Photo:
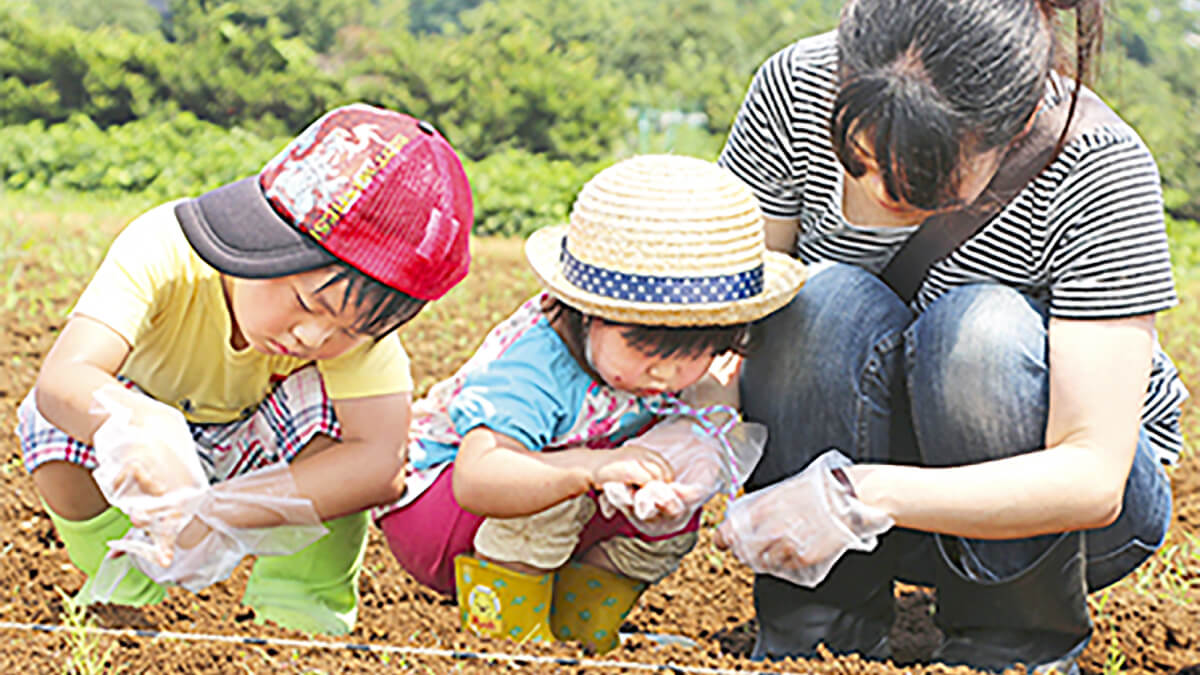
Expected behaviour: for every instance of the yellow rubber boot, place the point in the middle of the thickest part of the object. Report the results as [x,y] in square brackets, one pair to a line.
[590,603]
[87,545]
[494,601]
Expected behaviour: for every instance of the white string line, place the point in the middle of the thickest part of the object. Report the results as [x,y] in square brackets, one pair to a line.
[390,649]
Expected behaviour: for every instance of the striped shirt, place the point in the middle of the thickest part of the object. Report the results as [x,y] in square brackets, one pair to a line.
[1085,237]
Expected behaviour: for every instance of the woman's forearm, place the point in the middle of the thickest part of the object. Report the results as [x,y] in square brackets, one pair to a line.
[1099,371]
[1036,493]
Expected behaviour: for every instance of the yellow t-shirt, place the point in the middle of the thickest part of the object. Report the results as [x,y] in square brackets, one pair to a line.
[155,292]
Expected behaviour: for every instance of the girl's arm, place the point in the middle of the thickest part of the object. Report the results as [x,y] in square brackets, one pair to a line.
[1099,373]
[495,475]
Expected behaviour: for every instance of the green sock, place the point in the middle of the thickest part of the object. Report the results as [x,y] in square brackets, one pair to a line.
[314,590]
[87,545]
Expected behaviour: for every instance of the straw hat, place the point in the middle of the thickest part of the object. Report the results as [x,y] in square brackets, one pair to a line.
[665,240]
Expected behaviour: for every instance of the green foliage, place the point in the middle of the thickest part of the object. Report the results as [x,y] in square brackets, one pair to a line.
[165,155]
[1184,236]
[499,83]
[565,80]
[1148,76]
[694,55]
[433,16]
[135,16]
[516,192]
[49,73]
[86,656]
[245,68]
[234,74]
[314,22]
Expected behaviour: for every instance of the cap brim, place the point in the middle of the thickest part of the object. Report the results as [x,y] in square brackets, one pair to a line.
[782,278]
[234,229]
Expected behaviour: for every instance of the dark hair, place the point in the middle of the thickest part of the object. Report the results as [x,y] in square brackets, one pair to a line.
[381,308]
[926,83]
[658,341]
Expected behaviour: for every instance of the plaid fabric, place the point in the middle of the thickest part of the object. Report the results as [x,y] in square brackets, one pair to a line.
[292,414]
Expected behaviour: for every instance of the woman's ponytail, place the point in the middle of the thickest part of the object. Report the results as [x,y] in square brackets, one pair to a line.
[1089,35]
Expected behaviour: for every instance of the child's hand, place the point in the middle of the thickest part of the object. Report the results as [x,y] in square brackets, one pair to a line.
[147,464]
[631,465]
[258,513]
[702,466]
[144,446]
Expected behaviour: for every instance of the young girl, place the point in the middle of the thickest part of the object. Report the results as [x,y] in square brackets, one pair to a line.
[662,267]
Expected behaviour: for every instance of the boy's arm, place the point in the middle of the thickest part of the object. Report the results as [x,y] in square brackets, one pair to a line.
[82,360]
[85,357]
[80,364]
[366,467]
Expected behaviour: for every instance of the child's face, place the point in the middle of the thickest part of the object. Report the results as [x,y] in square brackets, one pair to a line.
[629,369]
[288,315]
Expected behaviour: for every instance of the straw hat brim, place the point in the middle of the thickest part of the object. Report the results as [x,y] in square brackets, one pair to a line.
[782,278]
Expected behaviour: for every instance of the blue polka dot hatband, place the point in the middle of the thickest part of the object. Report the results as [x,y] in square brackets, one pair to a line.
[665,240]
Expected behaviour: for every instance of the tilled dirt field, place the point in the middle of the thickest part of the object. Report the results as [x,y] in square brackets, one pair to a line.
[1152,618]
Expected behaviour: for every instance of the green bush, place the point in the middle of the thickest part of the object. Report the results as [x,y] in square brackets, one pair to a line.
[499,83]
[165,155]
[517,192]
[174,154]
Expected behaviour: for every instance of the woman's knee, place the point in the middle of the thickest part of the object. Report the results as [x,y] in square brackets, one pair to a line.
[977,375]
[826,360]
[829,329]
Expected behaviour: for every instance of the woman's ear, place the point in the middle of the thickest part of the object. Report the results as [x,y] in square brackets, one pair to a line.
[1037,111]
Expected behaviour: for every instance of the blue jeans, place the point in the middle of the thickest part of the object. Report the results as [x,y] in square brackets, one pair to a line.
[848,365]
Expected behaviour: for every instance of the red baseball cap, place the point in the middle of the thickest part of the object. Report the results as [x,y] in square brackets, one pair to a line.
[369,187]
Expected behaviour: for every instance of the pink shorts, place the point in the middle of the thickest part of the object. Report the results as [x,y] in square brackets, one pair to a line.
[427,534]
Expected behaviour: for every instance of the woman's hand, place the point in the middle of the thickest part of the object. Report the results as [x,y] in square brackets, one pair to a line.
[798,529]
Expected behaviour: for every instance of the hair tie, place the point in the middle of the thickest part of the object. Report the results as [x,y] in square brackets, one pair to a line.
[1064,4]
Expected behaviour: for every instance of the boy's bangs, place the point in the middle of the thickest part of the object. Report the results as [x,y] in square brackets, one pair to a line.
[381,308]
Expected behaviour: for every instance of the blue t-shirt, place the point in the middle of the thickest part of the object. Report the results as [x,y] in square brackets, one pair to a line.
[524,383]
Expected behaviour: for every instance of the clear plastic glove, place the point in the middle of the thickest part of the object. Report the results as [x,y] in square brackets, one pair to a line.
[267,496]
[218,541]
[147,466]
[629,464]
[701,466]
[797,529]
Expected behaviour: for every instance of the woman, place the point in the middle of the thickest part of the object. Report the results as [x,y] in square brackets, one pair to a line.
[1022,389]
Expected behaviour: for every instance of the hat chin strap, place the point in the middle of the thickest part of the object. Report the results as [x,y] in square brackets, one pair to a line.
[587,345]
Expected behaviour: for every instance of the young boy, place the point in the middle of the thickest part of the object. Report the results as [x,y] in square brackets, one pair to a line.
[219,307]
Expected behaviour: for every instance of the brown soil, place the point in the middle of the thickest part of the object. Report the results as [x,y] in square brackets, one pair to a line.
[1153,617]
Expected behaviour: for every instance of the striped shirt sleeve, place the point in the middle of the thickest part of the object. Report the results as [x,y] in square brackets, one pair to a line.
[1112,259]
[758,149]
